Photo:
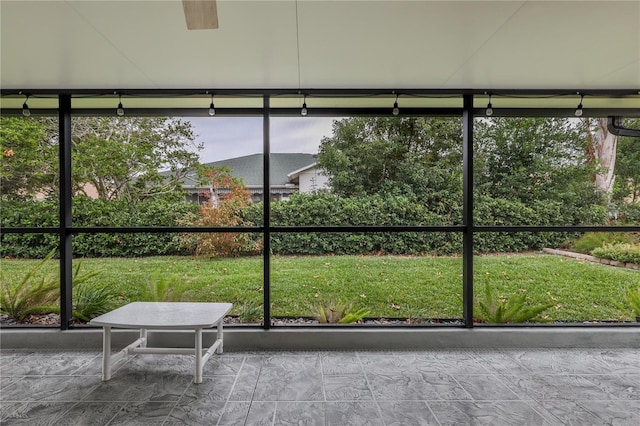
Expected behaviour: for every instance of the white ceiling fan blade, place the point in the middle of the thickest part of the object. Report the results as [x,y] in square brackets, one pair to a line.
[200,14]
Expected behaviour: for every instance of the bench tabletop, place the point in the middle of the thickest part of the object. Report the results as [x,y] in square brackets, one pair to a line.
[164,315]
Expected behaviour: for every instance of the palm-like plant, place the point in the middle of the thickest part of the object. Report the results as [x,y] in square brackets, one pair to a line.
[632,298]
[338,312]
[511,310]
[162,289]
[90,300]
[33,294]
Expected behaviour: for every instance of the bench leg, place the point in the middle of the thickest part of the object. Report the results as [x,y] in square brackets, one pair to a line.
[106,353]
[219,337]
[198,353]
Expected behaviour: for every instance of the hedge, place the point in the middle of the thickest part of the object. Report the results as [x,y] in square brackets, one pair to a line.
[327,210]
[88,212]
[321,209]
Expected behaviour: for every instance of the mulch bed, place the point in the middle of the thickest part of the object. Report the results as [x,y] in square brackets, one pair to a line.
[52,319]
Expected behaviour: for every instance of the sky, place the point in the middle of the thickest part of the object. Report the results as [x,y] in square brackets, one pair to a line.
[229,137]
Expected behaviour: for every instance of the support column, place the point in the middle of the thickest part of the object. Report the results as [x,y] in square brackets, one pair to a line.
[266,204]
[467,210]
[65,248]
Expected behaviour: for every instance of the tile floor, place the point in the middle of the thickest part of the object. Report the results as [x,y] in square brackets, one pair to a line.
[439,387]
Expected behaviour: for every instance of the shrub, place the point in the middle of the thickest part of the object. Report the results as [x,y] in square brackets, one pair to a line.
[628,214]
[227,211]
[90,213]
[250,312]
[592,240]
[338,312]
[159,288]
[396,210]
[620,252]
[510,310]
[90,300]
[32,294]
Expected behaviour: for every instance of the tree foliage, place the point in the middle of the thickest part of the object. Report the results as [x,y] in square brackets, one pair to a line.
[121,157]
[627,168]
[29,157]
[411,155]
[118,158]
[533,159]
[524,160]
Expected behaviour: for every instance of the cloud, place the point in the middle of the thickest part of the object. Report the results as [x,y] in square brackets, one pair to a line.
[229,137]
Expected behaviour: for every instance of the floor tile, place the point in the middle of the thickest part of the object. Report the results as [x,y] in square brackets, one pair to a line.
[142,413]
[247,378]
[340,364]
[32,413]
[6,381]
[622,361]
[564,362]
[225,364]
[196,412]
[484,387]
[160,364]
[49,388]
[290,379]
[346,388]
[212,388]
[140,386]
[235,413]
[500,362]
[618,413]
[403,363]
[261,413]
[402,413]
[358,413]
[532,386]
[91,413]
[516,413]
[300,413]
[569,413]
[45,365]
[461,364]
[618,386]
[575,387]
[427,386]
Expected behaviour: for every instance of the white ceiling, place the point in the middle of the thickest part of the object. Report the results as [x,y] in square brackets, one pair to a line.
[322,44]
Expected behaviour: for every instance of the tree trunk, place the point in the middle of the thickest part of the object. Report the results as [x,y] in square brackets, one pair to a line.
[602,151]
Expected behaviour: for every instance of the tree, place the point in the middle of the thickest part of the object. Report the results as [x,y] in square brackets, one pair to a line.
[601,150]
[627,167]
[29,149]
[532,159]
[414,155]
[120,158]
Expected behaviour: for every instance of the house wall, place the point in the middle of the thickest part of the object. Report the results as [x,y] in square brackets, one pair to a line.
[313,180]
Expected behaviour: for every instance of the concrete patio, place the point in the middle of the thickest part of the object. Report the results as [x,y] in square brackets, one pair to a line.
[516,386]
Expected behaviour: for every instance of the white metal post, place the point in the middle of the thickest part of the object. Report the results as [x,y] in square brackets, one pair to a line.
[219,337]
[143,337]
[106,353]
[198,354]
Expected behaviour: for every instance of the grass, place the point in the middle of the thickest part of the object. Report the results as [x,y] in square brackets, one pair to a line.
[388,286]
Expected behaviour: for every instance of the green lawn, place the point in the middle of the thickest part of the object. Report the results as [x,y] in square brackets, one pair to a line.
[389,286]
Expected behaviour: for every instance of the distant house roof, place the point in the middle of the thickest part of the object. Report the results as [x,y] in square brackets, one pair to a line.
[249,168]
[296,173]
